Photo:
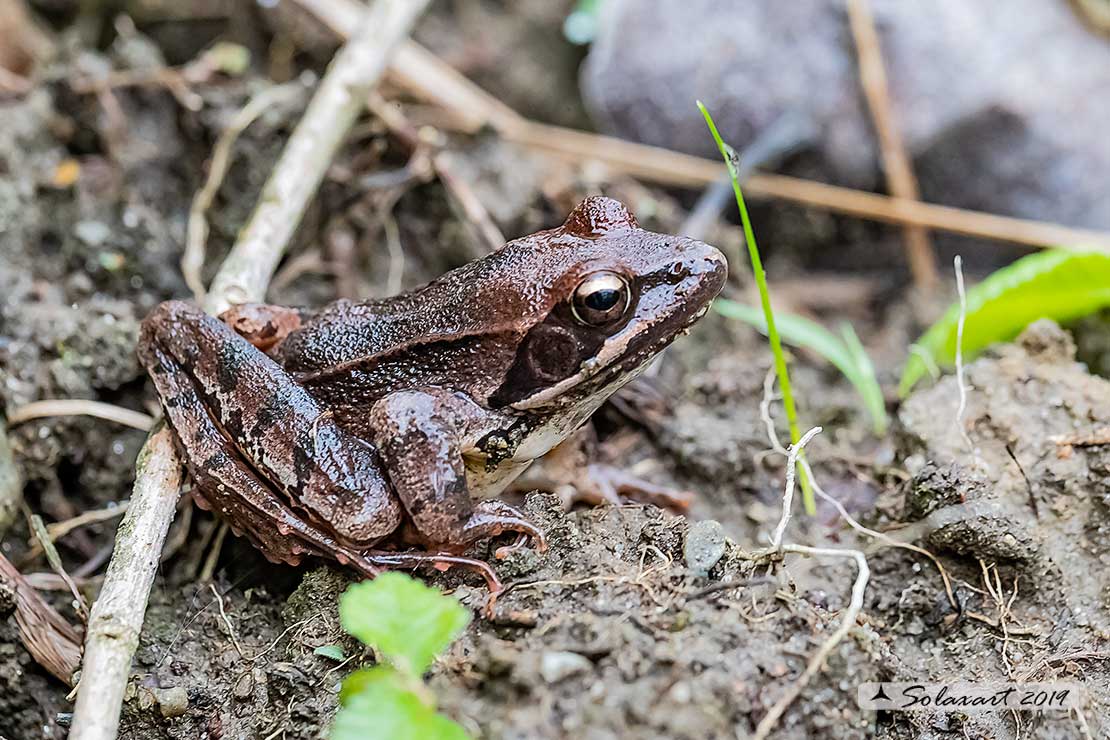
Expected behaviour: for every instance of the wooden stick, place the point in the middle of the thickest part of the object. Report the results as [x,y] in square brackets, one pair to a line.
[341,97]
[117,615]
[673,168]
[896,162]
[431,79]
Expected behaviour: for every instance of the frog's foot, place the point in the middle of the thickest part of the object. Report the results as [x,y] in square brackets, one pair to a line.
[439,560]
[606,484]
[492,518]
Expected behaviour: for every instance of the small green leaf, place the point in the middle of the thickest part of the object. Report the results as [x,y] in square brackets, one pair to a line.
[378,706]
[364,678]
[1057,284]
[405,620]
[845,352]
[330,651]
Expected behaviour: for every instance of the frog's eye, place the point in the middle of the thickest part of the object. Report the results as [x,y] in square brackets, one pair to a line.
[600,298]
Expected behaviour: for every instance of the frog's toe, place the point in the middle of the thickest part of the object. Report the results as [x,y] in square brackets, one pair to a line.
[492,517]
[411,560]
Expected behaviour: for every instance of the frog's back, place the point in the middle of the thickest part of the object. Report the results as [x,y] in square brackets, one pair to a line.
[455,332]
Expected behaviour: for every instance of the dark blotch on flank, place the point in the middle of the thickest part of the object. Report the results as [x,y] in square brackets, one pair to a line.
[272,411]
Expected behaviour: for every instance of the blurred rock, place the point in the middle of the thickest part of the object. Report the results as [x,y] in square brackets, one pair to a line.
[1002,111]
[704,546]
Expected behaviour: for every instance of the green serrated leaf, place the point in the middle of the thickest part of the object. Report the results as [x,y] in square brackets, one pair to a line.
[408,622]
[846,352]
[378,706]
[1057,284]
[334,652]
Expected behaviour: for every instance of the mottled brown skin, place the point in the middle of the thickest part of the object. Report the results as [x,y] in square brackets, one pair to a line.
[349,432]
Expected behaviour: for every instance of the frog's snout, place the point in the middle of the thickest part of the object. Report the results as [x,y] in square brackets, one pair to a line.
[705,268]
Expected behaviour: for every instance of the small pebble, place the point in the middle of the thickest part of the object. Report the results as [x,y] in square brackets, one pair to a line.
[243,688]
[705,545]
[172,702]
[555,665]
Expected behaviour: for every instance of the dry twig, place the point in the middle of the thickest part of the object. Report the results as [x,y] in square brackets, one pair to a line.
[55,561]
[81,407]
[57,530]
[896,162]
[117,615]
[192,259]
[304,161]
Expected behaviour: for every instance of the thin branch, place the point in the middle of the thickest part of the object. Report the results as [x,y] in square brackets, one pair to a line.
[896,162]
[55,561]
[57,530]
[81,407]
[339,99]
[117,615]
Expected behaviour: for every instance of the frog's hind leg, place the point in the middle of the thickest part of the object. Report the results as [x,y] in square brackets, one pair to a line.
[225,398]
[226,484]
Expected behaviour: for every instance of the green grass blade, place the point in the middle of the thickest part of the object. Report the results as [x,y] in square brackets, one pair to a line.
[846,354]
[729,155]
[1062,285]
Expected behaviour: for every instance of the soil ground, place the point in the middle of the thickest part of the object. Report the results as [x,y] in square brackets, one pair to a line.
[611,633]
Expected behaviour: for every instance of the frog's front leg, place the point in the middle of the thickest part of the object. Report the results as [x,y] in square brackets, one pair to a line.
[224,397]
[419,435]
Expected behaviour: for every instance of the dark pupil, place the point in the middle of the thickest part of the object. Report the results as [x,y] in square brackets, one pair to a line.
[602,300]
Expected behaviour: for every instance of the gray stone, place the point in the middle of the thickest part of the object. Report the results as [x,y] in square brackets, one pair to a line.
[704,546]
[172,702]
[555,665]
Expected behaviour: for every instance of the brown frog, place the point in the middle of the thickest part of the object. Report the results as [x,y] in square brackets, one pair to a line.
[349,431]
